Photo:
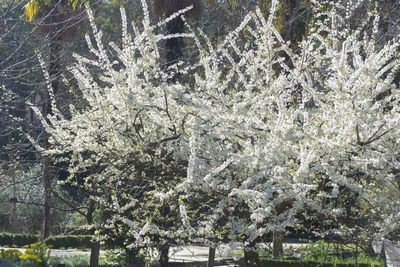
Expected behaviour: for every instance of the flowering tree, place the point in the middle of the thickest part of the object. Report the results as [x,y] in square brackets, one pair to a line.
[305,137]
[127,137]
[260,142]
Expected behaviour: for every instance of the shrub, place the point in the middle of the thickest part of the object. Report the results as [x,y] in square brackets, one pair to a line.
[332,253]
[70,261]
[122,258]
[10,254]
[78,241]
[6,239]
[81,261]
[19,240]
[35,254]
[69,241]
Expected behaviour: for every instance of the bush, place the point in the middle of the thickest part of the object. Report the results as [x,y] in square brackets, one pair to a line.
[333,253]
[19,240]
[81,261]
[69,241]
[6,239]
[123,258]
[79,241]
[35,254]
[70,261]
[10,254]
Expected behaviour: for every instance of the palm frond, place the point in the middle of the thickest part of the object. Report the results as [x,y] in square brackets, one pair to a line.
[66,19]
[31,9]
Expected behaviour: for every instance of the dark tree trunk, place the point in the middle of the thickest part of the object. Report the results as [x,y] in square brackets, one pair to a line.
[48,172]
[211,257]
[164,257]
[95,246]
[47,179]
[174,53]
[251,258]
[132,254]
[174,46]
[14,213]
[288,19]
[164,245]
[94,254]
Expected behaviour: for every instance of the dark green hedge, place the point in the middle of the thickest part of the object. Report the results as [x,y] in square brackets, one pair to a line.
[78,241]
[69,241]
[19,240]
[57,241]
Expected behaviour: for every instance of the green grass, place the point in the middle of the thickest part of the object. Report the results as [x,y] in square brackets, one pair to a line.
[78,261]
[330,254]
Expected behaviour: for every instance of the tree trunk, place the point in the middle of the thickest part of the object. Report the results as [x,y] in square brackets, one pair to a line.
[277,244]
[14,213]
[95,246]
[174,46]
[132,254]
[164,257]
[14,216]
[94,254]
[48,171]
[211,257]
[173,55]
[47,177]
[164,244]
[251,258]
[287,19]
[278,235]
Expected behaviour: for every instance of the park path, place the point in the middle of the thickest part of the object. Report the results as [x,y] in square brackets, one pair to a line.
[177,254]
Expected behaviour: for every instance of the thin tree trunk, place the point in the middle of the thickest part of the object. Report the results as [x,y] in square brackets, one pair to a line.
[164,245]
[14,216]
[211,257]
[95,246]
[47,178]
[14,213]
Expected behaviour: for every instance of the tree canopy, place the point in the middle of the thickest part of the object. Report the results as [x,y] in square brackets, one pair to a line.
[287,122]
[265,140]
